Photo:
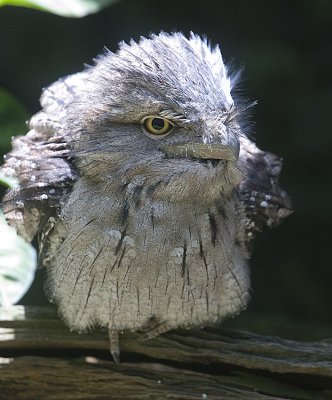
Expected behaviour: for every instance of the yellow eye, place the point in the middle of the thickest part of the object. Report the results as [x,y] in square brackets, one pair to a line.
[157,125]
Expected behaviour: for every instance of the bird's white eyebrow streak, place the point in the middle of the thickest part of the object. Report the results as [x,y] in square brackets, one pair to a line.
[176,117]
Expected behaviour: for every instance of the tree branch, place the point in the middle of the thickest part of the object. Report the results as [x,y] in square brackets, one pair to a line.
[42,359]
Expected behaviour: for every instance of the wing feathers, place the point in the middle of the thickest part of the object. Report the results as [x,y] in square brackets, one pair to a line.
[264,202]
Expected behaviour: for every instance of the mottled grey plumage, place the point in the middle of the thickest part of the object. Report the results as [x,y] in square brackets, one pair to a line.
[136,231]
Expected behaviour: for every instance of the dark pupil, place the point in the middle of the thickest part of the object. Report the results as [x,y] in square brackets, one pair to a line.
[158,124]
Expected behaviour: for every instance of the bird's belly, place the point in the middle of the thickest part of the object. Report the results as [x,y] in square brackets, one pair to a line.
[114,283]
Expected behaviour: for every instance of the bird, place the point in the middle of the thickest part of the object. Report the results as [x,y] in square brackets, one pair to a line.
[144,189]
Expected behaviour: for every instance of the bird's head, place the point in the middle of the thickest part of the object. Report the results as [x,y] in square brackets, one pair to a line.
[159,114]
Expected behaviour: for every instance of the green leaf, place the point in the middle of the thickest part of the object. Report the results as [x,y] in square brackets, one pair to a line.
[8,181]
[18,262]
[65,8]
[12,119]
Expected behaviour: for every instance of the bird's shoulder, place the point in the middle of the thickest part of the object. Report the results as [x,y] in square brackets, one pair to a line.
[263,201]
[41,162]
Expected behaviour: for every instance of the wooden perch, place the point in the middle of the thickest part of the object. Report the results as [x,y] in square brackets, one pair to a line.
[40,359]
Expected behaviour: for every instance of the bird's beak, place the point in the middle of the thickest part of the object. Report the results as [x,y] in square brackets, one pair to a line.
[218,151]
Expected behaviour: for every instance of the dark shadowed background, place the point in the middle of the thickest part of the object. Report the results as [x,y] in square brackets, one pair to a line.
[285,47]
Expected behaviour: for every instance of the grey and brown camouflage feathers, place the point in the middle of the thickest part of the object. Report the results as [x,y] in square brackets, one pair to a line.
[141,231]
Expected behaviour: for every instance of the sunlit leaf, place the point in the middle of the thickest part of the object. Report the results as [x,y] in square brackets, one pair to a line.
[65,8]
[8,181]
[18,263]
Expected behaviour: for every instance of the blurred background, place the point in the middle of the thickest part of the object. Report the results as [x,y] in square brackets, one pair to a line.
[285,47]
